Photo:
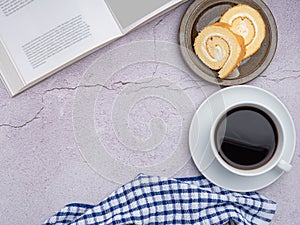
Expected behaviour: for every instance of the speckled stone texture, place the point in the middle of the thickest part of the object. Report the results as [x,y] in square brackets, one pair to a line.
[136,119]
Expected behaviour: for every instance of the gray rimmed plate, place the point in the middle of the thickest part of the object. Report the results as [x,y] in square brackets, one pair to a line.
[204,12]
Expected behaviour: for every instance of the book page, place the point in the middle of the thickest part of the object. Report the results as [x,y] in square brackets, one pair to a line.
[138,9]
[41,36]
[132,13]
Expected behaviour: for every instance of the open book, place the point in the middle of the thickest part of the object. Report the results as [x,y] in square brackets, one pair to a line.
[38,38]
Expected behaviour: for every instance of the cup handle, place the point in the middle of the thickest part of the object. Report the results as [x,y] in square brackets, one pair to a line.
[283,165]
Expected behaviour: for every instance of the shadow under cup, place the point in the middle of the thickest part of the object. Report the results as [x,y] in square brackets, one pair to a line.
[248,139]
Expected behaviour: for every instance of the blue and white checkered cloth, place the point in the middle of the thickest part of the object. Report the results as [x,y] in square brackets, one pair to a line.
[157,200]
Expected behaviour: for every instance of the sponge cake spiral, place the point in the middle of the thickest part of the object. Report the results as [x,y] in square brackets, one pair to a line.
[220,48]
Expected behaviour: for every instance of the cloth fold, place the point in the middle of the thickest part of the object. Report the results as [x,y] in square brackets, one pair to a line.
[158,200]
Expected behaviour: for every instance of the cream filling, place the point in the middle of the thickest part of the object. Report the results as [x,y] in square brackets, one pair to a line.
[252,20]
[243,29]
[218,53]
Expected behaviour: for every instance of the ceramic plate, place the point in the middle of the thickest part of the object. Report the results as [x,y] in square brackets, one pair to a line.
[200,130]
[204,12]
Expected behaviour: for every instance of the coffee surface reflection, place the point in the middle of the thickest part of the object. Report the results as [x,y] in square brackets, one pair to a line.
[246,137]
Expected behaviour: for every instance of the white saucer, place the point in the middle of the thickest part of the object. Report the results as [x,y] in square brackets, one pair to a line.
[200,130]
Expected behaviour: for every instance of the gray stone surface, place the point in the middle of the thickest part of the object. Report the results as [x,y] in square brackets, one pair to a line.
[135,119]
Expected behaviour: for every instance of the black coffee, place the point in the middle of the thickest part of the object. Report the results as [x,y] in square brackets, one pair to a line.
[246,137]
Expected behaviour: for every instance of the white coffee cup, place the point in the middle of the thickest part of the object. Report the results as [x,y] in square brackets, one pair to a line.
[275,161]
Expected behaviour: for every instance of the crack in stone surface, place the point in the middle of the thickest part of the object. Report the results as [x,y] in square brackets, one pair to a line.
[155,38]
[281,79]
[122,83]
[155,70]
[169,87]
[110,87]
[24,124]
[114,86]
[78,86]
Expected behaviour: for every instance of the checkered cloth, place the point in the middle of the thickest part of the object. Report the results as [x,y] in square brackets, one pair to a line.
[157,200]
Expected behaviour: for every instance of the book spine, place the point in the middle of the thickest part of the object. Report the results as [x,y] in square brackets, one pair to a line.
[9,73]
